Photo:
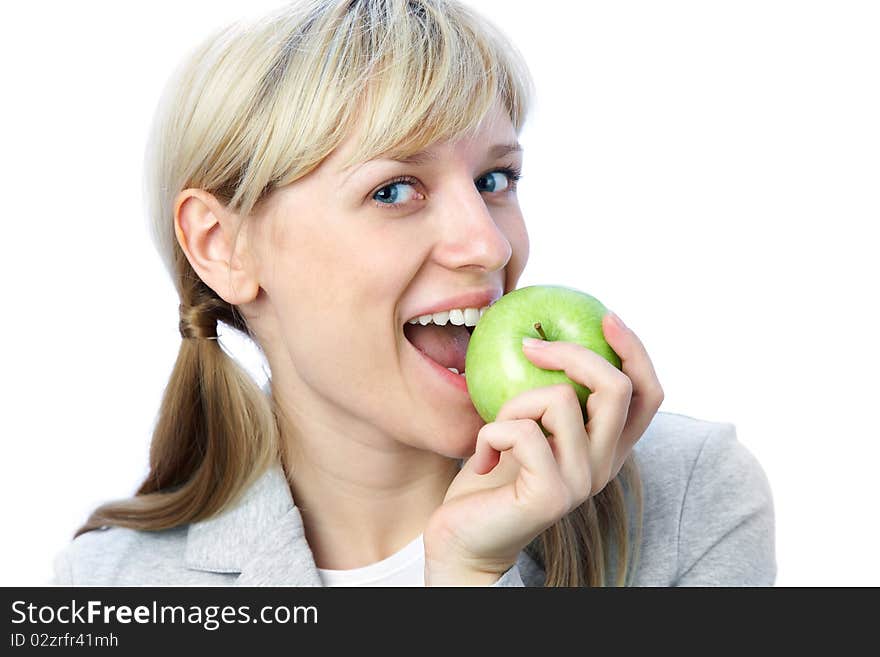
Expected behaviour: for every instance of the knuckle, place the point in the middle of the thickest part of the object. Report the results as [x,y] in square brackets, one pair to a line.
[599,483]
[484,431]
[585,479]
[565,393]
[582,494]
[659,395]
[528,430]
[623,385]
[653,396]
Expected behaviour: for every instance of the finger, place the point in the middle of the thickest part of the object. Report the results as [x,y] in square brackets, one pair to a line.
[647,393]
[558,409]
[539,479]
[607,405]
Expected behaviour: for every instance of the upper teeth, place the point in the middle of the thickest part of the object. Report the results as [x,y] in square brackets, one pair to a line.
[456,316]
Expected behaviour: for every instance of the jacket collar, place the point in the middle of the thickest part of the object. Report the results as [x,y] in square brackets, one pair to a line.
[261,537]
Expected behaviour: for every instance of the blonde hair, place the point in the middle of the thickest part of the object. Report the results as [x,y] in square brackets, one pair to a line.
[257,106]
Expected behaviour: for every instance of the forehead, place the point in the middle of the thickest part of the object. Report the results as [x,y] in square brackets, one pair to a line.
[495,129]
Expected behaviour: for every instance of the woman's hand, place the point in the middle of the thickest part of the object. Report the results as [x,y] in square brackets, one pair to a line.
[519,482]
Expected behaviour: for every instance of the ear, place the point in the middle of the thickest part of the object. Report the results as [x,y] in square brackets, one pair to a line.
[205,230]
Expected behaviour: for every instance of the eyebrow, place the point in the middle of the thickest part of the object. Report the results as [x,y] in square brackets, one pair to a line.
[423,157]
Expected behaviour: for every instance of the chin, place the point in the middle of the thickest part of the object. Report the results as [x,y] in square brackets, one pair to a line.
[458,443]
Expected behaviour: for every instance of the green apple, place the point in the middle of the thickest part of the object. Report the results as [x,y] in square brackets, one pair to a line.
[496,369]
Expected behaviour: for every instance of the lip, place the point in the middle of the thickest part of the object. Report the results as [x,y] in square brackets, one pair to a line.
[475,299]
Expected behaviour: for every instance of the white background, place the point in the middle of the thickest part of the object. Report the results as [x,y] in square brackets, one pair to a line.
[708,169]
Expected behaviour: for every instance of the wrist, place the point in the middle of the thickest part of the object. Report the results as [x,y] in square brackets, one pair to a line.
[437,574]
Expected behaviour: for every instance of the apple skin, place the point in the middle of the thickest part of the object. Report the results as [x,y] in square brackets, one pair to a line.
[496,369]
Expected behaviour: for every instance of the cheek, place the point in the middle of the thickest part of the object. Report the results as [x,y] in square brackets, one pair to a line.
[317,262]
[385,257]
[335,294]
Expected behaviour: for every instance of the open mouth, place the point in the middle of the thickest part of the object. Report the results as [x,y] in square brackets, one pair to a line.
[444,336]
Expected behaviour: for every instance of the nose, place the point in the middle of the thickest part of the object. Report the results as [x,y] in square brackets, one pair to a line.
[471,237]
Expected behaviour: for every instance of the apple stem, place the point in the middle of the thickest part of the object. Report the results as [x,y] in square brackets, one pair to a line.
[540,330]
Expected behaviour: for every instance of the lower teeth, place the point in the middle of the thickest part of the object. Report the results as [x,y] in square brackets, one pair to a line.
[455,371]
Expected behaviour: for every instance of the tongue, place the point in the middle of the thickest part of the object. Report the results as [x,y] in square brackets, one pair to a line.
[445,344]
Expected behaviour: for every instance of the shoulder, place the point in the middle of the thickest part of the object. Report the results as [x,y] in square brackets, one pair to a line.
[117,556]
[666,456]
[670,446]
[679,438]
[705,497]
[676,451]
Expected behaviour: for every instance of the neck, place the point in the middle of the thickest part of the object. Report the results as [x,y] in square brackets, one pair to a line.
[362,495]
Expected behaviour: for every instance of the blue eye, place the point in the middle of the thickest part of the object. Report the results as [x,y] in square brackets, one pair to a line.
[498,181]
[392,195]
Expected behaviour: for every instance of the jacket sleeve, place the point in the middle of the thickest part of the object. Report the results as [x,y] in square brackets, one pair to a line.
[727,527]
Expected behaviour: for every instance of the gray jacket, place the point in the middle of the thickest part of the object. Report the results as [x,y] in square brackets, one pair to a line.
[708,521]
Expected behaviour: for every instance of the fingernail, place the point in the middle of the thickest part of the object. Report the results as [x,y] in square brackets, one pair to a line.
[533,342]
[618,321]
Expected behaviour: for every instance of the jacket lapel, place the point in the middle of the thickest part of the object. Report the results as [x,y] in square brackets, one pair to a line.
[261,537]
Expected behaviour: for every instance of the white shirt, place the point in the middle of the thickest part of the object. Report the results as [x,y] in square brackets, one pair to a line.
[406,567]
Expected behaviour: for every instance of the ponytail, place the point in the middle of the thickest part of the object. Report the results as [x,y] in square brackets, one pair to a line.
[597,544]
[216,430]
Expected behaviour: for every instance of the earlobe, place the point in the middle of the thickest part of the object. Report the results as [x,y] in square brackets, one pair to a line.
[205,232]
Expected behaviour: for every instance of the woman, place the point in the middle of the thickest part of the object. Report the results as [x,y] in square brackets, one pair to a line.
[319,178]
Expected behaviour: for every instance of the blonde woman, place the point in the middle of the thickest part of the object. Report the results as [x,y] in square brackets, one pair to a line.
[319,177]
